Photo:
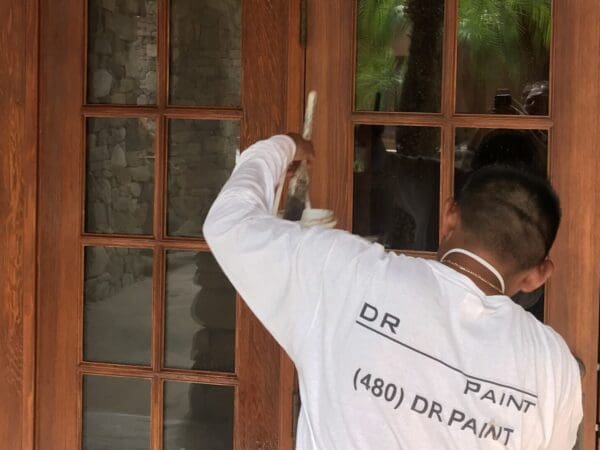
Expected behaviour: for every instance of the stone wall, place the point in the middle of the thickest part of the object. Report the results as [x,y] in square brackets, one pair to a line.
[110,269]
[205,70]
[120,175]
[122,51]
[205,52]
[201,158]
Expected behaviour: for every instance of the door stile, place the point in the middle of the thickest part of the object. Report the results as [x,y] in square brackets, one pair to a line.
[294,117]
[574,289]
[59,206]
[264,65]
[329,58]
[29,205]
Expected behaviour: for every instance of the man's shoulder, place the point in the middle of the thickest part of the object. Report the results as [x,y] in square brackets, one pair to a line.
[551,346]
[547,334]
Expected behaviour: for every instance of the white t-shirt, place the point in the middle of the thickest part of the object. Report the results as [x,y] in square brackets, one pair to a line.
[392,352]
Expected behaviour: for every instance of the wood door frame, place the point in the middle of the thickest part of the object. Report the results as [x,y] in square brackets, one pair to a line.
[18,221]
[575,138]
[574,124]
[20,228]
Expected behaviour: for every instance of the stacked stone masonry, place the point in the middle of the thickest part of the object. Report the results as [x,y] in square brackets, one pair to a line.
[205,53]
[201,158]
[122,51]
[120,175]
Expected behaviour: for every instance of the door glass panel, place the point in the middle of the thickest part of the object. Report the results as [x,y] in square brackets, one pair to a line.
[200,313]
[399,55]
[503,56]
[118,305]
[479,147]
[201,158]
[198,417]
[522,149]
[121,56]
[116,413]
[205,53]
[120,175]
[396,185]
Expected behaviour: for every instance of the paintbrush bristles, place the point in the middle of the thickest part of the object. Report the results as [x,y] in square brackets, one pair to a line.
[297,194]
[298,199]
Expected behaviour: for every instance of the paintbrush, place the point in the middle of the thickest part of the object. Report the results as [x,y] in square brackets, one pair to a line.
[297,193]
[297,198]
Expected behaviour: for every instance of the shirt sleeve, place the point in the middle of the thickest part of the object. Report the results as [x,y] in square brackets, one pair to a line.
[277,266]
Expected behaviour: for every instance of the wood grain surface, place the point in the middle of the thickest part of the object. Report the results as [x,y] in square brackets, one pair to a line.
[60,185]
[42,71]
[264,64]
[18,151]
[574,290]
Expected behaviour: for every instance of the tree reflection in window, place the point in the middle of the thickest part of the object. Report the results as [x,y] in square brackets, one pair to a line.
[503,55]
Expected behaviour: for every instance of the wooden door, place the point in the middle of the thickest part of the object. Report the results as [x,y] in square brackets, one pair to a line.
[250,377]
[142,343]
[414,94]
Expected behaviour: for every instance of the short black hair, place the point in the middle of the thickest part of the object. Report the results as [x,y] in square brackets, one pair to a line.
[512,213]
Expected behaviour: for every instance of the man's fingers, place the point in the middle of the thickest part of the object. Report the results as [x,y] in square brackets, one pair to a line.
[304,148]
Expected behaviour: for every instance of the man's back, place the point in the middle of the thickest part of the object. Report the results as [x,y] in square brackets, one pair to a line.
[392,352]
[407,353]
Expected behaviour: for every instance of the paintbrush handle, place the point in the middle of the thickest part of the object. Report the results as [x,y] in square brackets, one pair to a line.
[309,114]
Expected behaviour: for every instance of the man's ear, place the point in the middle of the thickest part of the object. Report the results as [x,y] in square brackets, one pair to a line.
[537,276]
[450,218]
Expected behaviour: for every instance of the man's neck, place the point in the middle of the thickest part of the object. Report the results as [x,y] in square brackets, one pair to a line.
[481,276]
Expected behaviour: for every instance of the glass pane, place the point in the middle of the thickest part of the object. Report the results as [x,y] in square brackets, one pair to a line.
[205,53]
[198,417]
[201,158]
[399,55]
[200,313]
[120,175]
[479,147]
[522,149]
[116,413]
[503,56]
[396,185]
[122,52]
[118,305]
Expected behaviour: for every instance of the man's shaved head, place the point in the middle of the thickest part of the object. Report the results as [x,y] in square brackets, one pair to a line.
[511,213]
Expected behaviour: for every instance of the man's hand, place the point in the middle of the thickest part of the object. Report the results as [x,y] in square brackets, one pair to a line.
[304,148]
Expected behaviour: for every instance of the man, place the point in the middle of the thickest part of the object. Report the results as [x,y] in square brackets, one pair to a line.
[395,352]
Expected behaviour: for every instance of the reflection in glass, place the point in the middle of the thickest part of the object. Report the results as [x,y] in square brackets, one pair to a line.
[522,149]
[479,147]
[118,305]
[119,175]
[198,417]
[396,185]
[205,52]
[116,413]
[399,55]
[201,158]
[200,313]
[503,56]
[122,52]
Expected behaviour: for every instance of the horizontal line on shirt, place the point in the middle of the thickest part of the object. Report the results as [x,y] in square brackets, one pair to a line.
[456,369]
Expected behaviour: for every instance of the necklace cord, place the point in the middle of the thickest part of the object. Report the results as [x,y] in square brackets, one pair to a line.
[476,275]
[481,261]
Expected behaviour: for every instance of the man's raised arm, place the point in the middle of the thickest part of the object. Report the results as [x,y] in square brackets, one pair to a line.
[276,265]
